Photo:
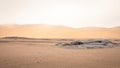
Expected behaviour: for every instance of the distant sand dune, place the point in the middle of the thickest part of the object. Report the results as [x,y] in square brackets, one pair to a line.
[48,31]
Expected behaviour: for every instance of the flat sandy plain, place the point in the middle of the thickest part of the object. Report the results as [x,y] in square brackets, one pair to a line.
[42,53]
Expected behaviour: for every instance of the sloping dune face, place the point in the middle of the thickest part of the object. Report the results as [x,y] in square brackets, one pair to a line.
[48,31]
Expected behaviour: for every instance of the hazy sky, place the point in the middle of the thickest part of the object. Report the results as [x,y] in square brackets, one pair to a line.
[75,13]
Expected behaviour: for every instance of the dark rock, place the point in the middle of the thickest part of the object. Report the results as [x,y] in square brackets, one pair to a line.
[88,44]
[98,42]
[62,44]
[76,43]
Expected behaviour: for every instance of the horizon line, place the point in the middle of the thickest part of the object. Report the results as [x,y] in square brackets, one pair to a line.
[61,25]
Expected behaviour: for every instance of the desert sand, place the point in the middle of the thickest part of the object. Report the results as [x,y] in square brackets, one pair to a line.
[42,53]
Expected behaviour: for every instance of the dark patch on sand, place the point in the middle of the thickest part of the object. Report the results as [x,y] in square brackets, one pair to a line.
[93,43]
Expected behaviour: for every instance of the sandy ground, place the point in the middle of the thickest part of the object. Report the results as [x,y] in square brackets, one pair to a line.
[44,54]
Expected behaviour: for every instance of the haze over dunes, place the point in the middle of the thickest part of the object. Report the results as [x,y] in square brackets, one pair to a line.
[50,31]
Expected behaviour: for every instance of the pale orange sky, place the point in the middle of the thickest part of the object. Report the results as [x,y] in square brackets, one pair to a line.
[74,13]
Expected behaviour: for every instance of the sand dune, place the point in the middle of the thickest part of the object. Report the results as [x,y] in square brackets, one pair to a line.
[18,51]
[49,31]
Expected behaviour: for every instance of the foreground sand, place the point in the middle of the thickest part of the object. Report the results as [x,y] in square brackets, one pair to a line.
[44,54]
